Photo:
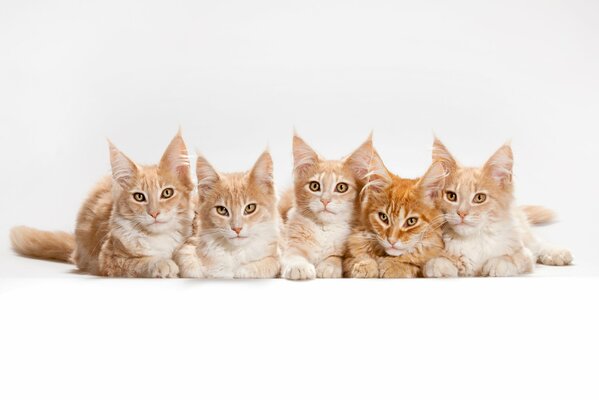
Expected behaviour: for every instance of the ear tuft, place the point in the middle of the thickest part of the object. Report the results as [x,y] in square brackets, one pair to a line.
[368,168]
[304,156]
[441,154]
[500,166]
[432,182]
[124,170]
[262,171]
[207,176]
[175,161]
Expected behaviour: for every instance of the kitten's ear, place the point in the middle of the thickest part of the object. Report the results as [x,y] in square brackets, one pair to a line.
[368,168]
[303,155]
[499,167]
[431,183]
[124,171]
[207,176]
[261,173]
[175,161]
[442,155]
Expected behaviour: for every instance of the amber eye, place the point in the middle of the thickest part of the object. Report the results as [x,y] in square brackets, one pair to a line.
[167,193]
[250,208]
[480,198]
[139,197]
[222,211]
[342,187]
[314,186]
[411,221]
[451,196]
[384,217]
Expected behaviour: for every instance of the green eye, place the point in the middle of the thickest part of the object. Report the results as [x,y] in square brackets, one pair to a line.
[222,211]
[314,186]
[480,198]
[139,197]
[250,208]
[342,187]
[451,196]
[167,193]
[411,221]
[384,217]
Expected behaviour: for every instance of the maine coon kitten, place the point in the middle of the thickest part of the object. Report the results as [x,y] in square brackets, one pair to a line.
[400,228]
[318,214]
[485,230]
[131,222]
[237,222]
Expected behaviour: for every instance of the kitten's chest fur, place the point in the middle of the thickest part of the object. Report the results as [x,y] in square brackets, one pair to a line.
[141,244]
[329,239]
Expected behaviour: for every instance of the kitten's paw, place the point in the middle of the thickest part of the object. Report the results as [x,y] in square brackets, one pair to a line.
[440,267]
[499,266]
[329,269]
[365,269]
[191,271]
[555,256]
[465,267]
[164,268]
[399,271]
[245,272]
[299,270]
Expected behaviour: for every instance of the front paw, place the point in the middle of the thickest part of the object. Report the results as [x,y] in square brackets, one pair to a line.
[555,256]
[499,266]
[298,270]
[440,267]
[391,270]
[367,268]
[190,268]
[328,269]
[245,272]
[163,268]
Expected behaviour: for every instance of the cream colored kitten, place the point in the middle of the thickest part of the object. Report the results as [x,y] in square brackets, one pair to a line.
[237,222]
[322,213]
[131,222]
[489,234]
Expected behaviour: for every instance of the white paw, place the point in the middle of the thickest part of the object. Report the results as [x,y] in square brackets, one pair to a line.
[555,256]
[367,268]
[328,270]
[499,267]
[164,268]
[191,271]
[245,273]
[299,270]
[440,267]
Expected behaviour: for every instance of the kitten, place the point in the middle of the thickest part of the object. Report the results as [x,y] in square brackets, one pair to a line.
[131,222]
[400,228]
[318,214]
[237,222]
[489,234]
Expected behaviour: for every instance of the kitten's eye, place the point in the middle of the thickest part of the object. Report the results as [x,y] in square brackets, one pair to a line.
[480,198]
[314,186]
[411,221]
[451,196]
[250,208]
[222,211]
[167,193]
[342,187]
[384,217]
[139,197]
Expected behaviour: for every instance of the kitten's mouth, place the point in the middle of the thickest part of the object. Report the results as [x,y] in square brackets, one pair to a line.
[327,211]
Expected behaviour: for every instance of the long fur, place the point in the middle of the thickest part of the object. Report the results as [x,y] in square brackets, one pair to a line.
[538,215]
[35,243]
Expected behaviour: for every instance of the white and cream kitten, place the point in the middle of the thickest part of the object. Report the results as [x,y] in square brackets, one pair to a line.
[484,228]
[236,230]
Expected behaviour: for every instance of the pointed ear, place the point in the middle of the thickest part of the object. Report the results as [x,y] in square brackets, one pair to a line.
[303,155]
[441,154]
[261,173]
[499,167]
[175,161]
[124,171]
[368,168]
[431,183]
[207,176]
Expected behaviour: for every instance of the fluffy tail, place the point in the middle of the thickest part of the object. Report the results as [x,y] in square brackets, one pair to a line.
[30,242]
[286,203]
[538,215]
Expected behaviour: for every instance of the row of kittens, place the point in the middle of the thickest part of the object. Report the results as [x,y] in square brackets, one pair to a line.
[350,217]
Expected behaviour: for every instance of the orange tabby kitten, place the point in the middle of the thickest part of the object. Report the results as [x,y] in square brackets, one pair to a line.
[237,222]
[318,213]
[400,228]
[131,222]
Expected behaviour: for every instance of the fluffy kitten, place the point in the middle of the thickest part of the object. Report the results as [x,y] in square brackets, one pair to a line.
[237,221]
[489,234]
[400,228]
[131,222]
[319,214]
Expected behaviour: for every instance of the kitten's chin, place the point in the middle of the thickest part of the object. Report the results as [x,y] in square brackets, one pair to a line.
[394,252]
[463,229]
[160,227]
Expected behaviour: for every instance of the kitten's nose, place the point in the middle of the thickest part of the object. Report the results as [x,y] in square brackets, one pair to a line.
[154,214]
[237,230]
[392,241]
[463,214]
[325,202]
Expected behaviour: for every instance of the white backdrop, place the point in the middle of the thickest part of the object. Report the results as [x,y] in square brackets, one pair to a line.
[237,76]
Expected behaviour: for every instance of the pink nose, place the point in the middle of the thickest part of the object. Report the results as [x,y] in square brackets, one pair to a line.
[237,230]
[463,214]
[154,214]
[325,202]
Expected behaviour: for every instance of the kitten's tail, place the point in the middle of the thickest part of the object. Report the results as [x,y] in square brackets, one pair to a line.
[30,242]
[537,215]
[286,203]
